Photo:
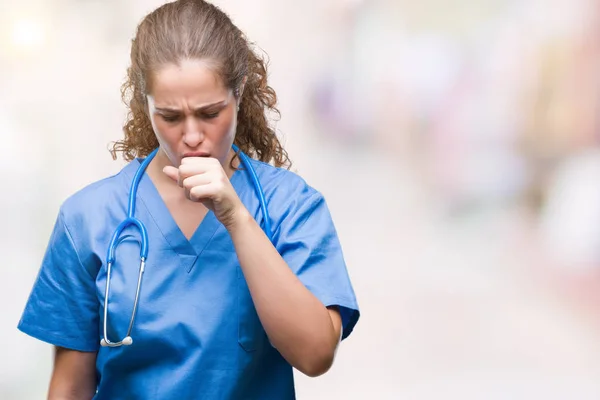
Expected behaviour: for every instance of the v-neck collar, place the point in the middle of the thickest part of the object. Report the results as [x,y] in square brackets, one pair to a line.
[149,197]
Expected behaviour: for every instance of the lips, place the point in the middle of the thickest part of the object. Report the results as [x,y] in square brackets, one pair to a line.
[196,154]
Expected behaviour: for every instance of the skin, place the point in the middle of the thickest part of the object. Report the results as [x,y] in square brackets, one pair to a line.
[73,376]
[194,117]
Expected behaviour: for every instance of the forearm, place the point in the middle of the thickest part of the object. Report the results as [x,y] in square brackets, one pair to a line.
[74,375]
[70,389]
[296,322]
[74,396]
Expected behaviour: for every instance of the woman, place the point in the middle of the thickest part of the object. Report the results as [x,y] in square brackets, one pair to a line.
[223,311]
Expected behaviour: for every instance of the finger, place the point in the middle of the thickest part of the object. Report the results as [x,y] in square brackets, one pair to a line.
[192,160]
[171,172]
[203,199]
[196,180]
[189,160]
[199,164]
[193,168]
[199,193]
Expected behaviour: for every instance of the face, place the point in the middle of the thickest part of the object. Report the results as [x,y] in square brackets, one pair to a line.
[192,112]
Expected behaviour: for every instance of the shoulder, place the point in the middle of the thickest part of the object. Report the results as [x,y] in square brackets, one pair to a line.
[289,196]
[280,183]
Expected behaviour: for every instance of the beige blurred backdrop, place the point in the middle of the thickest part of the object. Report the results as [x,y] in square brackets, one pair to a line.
[457,143]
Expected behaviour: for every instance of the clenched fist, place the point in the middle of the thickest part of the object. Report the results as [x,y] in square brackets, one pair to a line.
[204,180]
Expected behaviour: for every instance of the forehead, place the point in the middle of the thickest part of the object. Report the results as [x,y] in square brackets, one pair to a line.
[192,79]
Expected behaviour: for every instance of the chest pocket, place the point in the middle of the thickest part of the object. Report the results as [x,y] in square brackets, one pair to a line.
[251,334]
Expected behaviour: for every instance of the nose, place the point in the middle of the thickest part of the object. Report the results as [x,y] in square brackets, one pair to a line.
[193,135]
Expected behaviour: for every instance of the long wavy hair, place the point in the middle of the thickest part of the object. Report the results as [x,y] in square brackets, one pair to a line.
[196,29]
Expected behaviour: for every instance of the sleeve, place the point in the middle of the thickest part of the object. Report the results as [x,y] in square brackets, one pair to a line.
[62,308]
[307,240]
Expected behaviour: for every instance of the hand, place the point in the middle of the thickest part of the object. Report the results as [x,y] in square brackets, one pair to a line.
[205,181]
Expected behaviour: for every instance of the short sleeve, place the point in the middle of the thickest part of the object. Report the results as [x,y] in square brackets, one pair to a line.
[62,308]
[307,240]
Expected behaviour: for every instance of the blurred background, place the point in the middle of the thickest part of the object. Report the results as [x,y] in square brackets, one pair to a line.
[457,143]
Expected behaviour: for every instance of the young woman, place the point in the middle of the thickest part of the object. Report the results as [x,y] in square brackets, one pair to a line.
[227,272]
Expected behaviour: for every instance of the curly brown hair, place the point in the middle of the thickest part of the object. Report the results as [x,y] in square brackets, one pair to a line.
[196,29]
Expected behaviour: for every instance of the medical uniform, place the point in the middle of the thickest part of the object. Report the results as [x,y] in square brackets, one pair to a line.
[197,334]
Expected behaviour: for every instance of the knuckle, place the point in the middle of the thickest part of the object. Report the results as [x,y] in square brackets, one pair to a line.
[187,183]
[184,170]
[194,194]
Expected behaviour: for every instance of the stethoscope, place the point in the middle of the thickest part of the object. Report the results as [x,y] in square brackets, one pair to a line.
[132,221]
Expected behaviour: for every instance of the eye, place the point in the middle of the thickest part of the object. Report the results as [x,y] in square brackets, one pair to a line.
[170,118]
[211,115]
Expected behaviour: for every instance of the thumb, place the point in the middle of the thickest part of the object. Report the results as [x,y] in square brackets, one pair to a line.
[172,173]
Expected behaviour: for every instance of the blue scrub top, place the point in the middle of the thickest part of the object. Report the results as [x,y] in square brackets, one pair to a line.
[196,334]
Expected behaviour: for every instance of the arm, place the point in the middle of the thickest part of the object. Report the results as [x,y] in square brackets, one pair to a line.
[305,332]
[74,375]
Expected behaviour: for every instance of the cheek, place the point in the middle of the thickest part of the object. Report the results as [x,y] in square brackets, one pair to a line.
[227,135]
[228,126]
[155,125]
[229,129]
[165,136]
[162,130]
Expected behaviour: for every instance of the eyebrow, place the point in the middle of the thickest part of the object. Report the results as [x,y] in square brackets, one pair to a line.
[175,110]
